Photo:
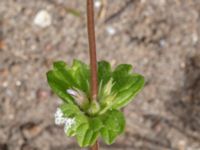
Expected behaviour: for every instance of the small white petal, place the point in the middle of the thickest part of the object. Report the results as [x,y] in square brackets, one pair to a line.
[69,122]
[59,121]
[58,113]
[72,92]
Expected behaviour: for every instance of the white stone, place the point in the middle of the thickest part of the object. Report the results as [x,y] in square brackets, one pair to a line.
[143,1]
[111,30]
[43,19]
[195,38]
[5,84]
[18,83]
[97,3]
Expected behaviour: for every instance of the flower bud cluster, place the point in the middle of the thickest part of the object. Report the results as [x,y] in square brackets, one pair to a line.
[60,120]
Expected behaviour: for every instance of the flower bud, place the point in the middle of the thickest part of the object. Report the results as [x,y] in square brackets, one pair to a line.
[108,100]
[94,108]
[79,97]
[108,87]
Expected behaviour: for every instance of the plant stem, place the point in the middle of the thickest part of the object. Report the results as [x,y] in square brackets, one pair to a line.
[93,58]
[92,47]
[95,146]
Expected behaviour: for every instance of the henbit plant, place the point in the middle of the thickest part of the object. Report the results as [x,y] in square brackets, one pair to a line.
[87,119]
[93,96]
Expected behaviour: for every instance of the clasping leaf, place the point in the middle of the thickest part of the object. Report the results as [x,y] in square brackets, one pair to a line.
[84,118]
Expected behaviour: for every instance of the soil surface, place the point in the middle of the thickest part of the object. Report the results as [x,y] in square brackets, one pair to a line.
[160,38]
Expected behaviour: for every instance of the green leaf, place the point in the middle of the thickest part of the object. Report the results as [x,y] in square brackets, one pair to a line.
[59,64]
[114,124]
[122,69]
[104,79]
[59,85]
[123,83]
[66,73]
[115,121]
[73,111]
[81,133]
[80,120]
[67,77]
[125,96]
[81,73]
[108,136]
[122,77]
[63,77]
[86,136]
[70,110]
[90,138]
[116,89]
[60,79]
[94,138]
[104,72]
[96,124]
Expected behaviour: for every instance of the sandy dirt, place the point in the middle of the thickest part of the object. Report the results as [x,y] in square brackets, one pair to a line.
[160,38]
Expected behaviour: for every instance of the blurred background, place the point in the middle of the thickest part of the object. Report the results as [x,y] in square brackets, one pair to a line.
[160,38]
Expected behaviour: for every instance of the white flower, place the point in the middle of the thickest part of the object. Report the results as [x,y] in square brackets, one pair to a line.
[69,122]
[59,117]
[61,120]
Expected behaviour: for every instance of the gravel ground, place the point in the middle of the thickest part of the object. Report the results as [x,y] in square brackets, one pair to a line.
[160,38]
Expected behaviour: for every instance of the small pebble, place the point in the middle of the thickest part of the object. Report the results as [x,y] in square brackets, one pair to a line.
[160,2]
[97,4]
[31,130]
[43,19]
[181,145]
[5,84]
[195,38]
[11,116]
[42,94]
[183,65]
[143,1]
[9,92]
[110,30]
[18,83]
[162,43]
[2,44]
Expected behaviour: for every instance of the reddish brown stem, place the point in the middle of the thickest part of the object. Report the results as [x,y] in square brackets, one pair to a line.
[95,146]
[93,58]
[92,47]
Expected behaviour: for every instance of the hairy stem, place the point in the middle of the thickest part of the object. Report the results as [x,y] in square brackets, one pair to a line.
[93,58]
